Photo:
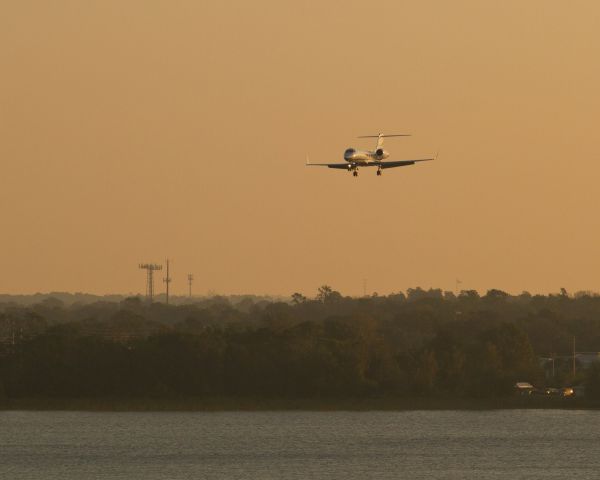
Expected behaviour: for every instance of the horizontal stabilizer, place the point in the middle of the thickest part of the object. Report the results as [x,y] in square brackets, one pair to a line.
[381,135]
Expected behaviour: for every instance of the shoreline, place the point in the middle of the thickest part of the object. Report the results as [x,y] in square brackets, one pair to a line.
[254,404]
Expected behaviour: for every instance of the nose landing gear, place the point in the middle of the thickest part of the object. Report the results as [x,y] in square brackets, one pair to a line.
[379,172]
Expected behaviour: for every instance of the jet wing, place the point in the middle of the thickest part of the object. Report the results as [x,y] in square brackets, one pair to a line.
[401,163]
[330,165]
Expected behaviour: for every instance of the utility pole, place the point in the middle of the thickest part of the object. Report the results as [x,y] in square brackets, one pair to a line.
[167,280]
[574,372]
[190,280]
[364,287]
[458,282]
[150,269]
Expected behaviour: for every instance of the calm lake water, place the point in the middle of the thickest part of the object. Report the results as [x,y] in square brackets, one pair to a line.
[524,444]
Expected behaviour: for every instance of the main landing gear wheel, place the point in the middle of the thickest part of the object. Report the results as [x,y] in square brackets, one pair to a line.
[355,173]
[379,173]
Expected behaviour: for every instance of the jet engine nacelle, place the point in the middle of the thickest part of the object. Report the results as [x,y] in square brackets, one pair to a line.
[380,154]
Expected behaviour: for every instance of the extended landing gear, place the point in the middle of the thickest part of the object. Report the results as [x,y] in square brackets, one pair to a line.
[379,172]
[355,173]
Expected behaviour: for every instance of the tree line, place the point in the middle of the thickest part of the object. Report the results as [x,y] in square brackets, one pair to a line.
[414,343]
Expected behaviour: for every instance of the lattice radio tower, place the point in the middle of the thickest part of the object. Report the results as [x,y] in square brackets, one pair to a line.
[150,268]
[190,280]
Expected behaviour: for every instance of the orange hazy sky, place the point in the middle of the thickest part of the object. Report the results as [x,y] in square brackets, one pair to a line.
[135,130]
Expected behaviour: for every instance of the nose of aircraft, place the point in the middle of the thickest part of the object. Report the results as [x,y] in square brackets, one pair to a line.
[348,154]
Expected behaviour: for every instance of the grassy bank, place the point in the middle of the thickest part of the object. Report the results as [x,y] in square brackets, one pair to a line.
[283,404]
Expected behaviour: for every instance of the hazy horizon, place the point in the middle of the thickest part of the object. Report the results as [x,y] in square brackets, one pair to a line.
[135,131]
[159,296]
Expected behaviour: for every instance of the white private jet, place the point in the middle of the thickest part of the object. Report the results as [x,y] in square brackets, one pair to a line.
[369,158]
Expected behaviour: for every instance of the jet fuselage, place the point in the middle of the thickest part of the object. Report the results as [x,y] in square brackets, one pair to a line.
[365,157]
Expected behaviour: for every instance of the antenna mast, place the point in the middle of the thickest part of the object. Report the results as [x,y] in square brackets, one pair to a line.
[190,280]
[458,282]
[150,268]
[167,280]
